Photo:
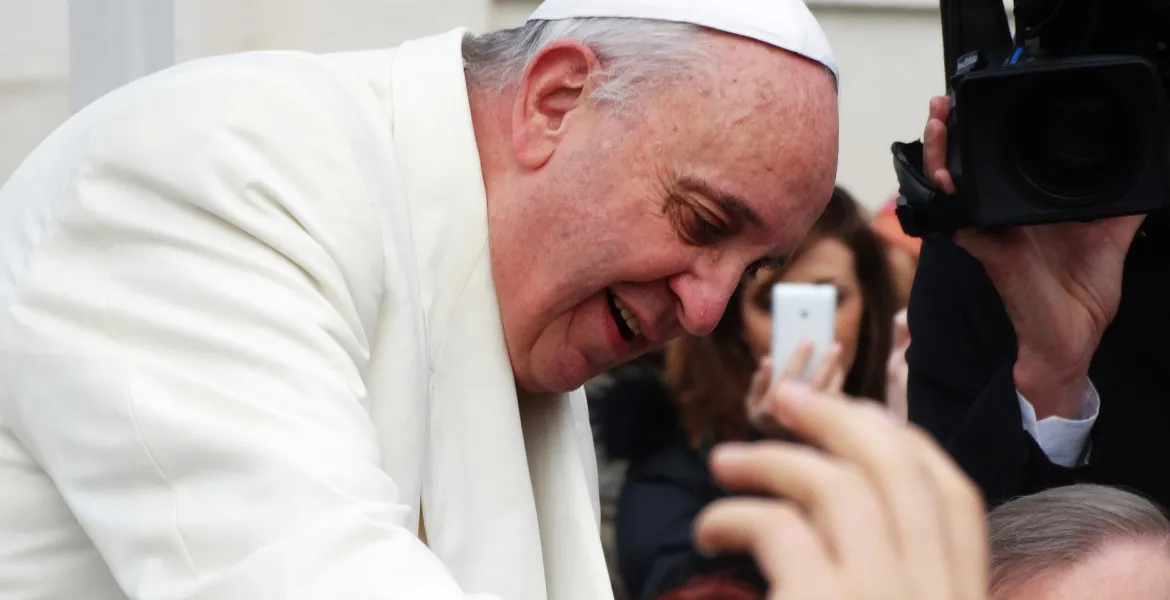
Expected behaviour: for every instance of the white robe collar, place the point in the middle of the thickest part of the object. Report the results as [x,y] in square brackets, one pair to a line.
[510,500]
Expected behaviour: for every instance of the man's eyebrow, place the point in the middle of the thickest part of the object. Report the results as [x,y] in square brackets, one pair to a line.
[734,206]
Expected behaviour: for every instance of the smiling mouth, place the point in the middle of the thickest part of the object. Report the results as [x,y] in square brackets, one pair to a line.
[627,323]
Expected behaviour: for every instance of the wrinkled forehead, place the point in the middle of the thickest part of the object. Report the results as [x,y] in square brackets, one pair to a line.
[761,126]
[771,113]
[775,146]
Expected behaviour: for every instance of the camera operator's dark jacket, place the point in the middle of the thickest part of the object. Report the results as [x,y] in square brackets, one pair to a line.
[961,389]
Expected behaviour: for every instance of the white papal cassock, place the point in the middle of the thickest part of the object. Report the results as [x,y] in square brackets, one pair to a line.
[248,327]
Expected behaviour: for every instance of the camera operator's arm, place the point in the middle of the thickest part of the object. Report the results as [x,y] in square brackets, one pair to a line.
[959,385]
[1060,284]
[960,382]
[1057,286]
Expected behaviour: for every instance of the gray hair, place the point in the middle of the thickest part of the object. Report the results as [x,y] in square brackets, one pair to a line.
[1035,535]
[632,52]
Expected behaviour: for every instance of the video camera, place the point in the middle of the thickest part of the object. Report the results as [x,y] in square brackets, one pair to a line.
[1068,121]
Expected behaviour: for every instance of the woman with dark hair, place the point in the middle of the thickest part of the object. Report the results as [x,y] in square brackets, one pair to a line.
[665,424]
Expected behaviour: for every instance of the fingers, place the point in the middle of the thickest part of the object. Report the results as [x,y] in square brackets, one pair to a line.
[763,375]
[837,383]
[786,547]
[832,422]
[901,330]
[826,372]
[883,507]
[897,373]
[759,384]
[962,518]
[940,108]
[758,412]
[797,365]
[934,141]
[828,377]
[934,155]
[866,436]
[835,494]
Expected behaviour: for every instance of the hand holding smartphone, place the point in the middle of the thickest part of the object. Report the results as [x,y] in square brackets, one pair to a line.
[802,312]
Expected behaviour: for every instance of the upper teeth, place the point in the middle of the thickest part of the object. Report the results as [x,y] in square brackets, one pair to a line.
[631,320]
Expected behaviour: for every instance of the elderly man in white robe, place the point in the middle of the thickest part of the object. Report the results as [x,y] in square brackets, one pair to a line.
[289,326]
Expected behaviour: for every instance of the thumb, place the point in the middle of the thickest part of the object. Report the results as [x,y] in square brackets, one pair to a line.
[901,330]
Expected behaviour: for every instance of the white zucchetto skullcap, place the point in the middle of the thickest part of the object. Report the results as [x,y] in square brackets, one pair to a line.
[785,24]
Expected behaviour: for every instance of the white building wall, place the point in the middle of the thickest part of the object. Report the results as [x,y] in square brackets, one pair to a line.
[34,45]
[889,50]
[34,75]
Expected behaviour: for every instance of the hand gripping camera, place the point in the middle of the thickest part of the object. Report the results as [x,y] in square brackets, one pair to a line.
[1066,122]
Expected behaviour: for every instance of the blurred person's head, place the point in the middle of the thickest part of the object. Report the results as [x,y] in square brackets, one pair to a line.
[634,171]
[1079,542]
[901,250]
[711,374]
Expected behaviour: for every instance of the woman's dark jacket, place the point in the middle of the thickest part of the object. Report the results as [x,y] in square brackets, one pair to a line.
[667,484]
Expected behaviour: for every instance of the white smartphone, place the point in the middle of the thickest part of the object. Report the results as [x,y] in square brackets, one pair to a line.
[802,312]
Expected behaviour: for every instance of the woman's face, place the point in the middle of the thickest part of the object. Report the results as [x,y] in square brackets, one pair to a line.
[826,261]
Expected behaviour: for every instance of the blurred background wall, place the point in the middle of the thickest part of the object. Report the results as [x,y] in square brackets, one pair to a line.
[889,50]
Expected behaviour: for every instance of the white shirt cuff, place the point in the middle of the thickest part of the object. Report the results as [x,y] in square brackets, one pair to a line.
[1063,440]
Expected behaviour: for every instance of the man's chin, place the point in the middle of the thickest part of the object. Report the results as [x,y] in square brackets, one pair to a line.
[566,372]
[548,387]
[554,377]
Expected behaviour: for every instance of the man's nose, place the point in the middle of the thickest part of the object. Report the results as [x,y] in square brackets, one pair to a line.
[703,296]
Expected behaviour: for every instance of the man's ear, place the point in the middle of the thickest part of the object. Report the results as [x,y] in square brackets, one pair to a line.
[558,82]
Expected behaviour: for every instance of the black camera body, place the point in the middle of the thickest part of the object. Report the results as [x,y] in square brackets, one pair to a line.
[1069,122]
